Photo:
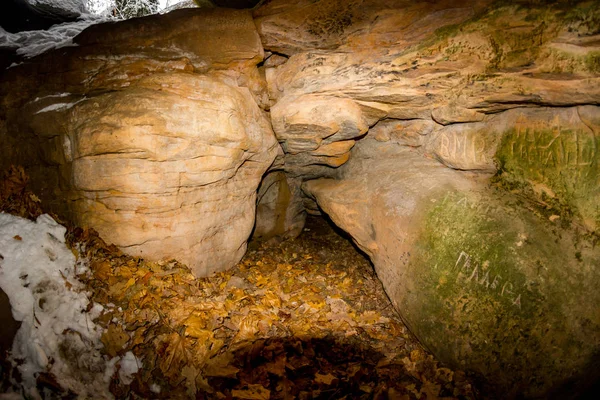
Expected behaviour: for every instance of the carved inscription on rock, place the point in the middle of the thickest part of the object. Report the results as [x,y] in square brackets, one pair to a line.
[468,147]
[470,271]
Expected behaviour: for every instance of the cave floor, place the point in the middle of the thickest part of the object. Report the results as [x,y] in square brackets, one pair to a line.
[301,319]
[306,318]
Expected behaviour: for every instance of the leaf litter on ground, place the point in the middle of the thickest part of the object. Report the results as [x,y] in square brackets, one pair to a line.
[302,319]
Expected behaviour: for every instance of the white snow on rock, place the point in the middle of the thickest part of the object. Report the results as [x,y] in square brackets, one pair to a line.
[59,106]
[67,5]
[57,335]
[31,43]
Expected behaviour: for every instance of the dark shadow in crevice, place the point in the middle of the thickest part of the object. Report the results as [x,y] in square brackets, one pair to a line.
[327,368]
[339,231]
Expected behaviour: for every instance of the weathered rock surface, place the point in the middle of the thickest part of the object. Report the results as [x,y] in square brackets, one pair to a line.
[509,92]
[156,140]
[485,284]
[291,27]
[280,211]
[437,63]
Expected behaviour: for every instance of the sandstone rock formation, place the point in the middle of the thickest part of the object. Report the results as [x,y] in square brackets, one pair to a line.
[439,65]
[280,210]
[457,143]
[157,141]
[484,283]
[507,94]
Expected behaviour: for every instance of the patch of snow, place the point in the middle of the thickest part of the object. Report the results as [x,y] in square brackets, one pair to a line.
[130,365]
[155,388]
[57,335]
[32,43]
[59,106]
[104,6]
[66,5]
[51,96]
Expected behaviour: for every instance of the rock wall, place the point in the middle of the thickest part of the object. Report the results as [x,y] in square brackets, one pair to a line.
[280,210]
[487,280]
[457,144]
[150,132]
[435,65]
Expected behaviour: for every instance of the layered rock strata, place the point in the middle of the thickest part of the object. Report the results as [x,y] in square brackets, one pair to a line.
[150,132]
[457,144]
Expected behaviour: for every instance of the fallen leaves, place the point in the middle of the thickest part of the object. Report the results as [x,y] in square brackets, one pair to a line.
[114,340]
[253,392]
[15,198]
[284,323]
[300,320]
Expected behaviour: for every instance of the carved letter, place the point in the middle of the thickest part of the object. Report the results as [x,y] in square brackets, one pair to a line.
[475,273]
[485,280]
[517,302]
[460,257]
[444,146]
[507,288]
[496,281]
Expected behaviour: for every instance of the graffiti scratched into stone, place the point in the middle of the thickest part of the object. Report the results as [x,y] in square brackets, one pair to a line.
[470,271]
[552,145]
[468,147]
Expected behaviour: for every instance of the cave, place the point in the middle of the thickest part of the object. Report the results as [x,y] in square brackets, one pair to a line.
[302,199]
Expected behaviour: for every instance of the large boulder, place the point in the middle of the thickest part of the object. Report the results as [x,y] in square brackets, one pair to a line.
[156,140]
[487,280]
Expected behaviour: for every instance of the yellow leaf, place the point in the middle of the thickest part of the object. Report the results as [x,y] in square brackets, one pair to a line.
[124,272]
[366,388]
[195,326]
[221,367]
[417,355]
[141,272]
[371,317]
[254,392]
[113,339]
[325,379]
[138,337]
[203,385]
[174,356]
[189,372]
[102,271]
[271,300]
[430,389]
[248,328]
[277,366]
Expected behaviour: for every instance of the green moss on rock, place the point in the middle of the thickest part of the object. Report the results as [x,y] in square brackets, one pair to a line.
[558,167]
[592,61]
[497,288]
